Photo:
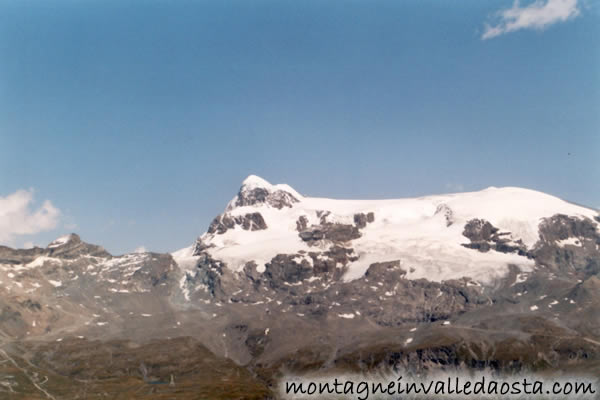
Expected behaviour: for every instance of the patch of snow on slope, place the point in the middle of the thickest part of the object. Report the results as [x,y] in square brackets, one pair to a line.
[569,241]
[38,262]
[185,258]
[184,289]
[127,264]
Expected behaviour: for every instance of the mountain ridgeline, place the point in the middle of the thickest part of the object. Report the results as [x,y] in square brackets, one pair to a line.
[506,279]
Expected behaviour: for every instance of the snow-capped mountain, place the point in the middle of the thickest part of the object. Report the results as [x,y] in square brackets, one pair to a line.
[431,257]
[430,280]
[433,237]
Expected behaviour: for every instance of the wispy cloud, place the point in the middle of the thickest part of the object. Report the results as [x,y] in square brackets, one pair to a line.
[537,15]
[18,217]
[140,249]
[455,187]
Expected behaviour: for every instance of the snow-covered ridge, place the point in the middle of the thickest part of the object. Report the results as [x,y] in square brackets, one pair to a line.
[254,182]
[255,190]
[425,233]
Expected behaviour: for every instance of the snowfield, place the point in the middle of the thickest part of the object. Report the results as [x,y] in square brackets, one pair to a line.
[425,233]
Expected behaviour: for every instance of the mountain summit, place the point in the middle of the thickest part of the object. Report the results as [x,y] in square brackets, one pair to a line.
[256,191]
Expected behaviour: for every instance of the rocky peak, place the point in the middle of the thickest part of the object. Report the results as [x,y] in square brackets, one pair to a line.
[254,181]
[64,240]
[256,191]
[65,247]
[71,246]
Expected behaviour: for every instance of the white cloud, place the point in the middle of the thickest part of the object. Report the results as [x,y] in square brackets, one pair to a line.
[537,15]
[455,187]
[140,249]
[17,217]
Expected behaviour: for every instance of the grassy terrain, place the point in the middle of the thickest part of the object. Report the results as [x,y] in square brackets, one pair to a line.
[80,369]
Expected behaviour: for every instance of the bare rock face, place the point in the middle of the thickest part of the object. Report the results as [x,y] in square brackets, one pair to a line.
[331,260]
[569,244]
[447,212]
[479,230]
[322,215]
[75,248]
[484,237]
[284,269]
[330,231]
[361,219]
[561,227]
[200,246]
[249,222]
[380,269]
[209,274]
[301,223]
[277,198]
[13,256]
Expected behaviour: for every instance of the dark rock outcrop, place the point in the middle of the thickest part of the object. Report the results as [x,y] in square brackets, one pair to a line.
[560,227]
[249,222]
[484,237]
[479,230]
[277,199]
[301,223]
[361,219]
[583,259]
[285,269]
[330,231]
[209,273]
[447,212]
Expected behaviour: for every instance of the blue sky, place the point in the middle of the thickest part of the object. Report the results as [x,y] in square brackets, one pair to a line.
[136,121]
